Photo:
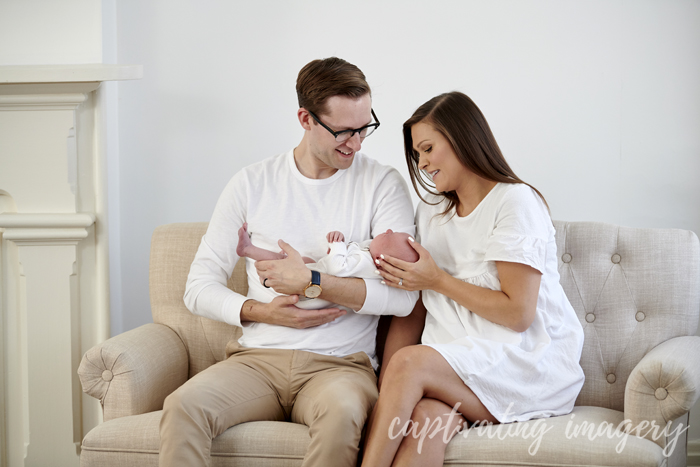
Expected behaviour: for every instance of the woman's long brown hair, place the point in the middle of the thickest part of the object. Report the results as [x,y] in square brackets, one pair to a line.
[458,118]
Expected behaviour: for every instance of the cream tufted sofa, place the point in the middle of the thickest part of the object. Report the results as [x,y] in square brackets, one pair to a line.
[636,292]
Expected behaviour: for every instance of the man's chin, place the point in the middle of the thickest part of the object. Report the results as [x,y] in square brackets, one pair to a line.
[343,161]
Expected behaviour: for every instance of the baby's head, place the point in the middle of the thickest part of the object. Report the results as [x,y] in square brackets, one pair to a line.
[393,244]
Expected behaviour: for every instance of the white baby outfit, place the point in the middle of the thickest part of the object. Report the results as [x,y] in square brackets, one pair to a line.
[344,260]
[537,371]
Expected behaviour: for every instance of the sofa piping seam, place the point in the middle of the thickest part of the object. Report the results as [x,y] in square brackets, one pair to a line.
[213,454]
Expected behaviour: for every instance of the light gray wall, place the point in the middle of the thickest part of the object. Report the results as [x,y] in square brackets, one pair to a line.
[596,103]
[43,32]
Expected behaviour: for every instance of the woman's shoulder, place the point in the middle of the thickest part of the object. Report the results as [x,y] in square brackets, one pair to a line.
[520,205]
[519,197]
[513,192]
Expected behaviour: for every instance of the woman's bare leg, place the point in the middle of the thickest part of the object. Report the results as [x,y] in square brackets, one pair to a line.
[415,372]
[436,423]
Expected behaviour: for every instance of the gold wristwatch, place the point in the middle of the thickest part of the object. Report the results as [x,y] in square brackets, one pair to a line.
[313,290]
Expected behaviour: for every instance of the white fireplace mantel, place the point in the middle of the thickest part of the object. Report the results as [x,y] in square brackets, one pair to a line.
[54,282]
[89,73]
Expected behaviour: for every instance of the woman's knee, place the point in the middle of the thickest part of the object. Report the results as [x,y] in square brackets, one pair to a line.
[410,363]
[427,409]
[436,416]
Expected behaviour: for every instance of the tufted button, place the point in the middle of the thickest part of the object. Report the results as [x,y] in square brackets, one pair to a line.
[566,257]
[590,317]
[640,316]
[611,378]
[616,258]
[661,393]
[107,375]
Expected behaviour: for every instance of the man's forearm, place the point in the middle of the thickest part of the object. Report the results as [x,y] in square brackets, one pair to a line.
[281,311]
[251,311]
[344,291]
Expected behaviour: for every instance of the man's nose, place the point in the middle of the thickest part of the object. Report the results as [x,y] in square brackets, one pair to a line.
[354,142]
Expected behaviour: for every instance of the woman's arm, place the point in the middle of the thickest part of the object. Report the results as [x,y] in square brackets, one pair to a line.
[403,331]
[513,306]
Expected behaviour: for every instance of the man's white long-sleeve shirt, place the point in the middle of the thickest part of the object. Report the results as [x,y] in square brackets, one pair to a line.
[278,202]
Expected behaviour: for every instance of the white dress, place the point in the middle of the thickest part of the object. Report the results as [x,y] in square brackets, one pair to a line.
[517,376]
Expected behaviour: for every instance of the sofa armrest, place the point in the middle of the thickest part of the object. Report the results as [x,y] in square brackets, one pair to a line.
[663,386]
[134,372]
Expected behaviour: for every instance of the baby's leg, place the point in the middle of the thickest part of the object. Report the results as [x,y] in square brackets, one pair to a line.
[246,249]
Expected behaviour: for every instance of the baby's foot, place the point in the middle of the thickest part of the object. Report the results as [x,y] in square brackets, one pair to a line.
[243,241]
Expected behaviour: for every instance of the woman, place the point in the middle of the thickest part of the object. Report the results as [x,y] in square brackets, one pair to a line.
[501,341]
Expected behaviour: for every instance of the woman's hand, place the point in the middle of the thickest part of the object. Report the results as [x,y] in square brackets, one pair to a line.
[424,274]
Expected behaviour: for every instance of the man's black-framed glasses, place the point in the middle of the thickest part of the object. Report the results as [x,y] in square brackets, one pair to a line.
[342,136]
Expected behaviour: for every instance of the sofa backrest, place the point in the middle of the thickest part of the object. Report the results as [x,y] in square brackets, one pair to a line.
[173,247]
[631,288]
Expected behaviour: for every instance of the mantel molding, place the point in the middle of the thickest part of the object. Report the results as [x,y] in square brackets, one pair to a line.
[50,221]
[47,229]
[48,81]
[42,101]
[86,73]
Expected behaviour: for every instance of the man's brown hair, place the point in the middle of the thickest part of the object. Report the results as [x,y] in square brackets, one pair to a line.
[321,79]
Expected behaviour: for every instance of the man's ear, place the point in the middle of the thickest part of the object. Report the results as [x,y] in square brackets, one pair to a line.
[304,118]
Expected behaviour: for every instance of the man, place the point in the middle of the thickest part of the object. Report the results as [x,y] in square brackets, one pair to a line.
[314,367]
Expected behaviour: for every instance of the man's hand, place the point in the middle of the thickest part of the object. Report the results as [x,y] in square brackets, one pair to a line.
[290,276]
[281,311]
[287,276]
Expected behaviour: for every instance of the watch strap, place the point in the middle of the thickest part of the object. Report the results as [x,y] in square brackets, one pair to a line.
[315,277]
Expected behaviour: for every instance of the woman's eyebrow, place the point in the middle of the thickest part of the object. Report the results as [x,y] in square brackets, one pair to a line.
[419,144]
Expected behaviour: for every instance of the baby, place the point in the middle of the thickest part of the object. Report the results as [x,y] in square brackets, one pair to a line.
[342,260]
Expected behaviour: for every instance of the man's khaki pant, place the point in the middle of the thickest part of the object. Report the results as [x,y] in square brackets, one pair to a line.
[333,396]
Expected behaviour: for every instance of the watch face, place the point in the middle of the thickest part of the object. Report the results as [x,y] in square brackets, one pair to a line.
[312,291]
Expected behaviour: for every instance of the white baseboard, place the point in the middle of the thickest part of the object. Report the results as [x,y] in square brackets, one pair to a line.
[694,453]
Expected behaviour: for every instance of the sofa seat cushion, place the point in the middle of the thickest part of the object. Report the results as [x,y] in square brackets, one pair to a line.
[135,440]
[515,444]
